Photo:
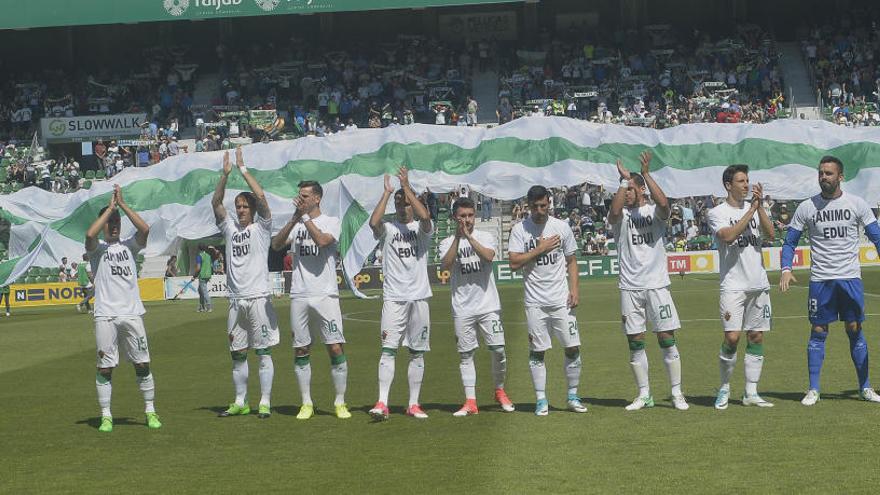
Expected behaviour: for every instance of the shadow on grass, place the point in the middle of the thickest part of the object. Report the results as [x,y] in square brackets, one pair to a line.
[214,409]
[292,410]
[797,396]
[702,400]
[595,401]
[96,422]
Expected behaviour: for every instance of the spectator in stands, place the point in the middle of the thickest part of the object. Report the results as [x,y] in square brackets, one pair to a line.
[171,267]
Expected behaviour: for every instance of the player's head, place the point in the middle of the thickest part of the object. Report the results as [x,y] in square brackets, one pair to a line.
[85,257]
[830,174]
[463,211]
[64,260]
[635,191]
[203,247]
[402,206]
[736,181]
[245,206]
[113,225]
[538,199]
[311,193]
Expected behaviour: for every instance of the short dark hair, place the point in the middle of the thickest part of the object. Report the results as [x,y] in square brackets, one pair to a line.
[251,200]
[640,181]
[114,217]
[731,171]
[316,188]
[832,159]
[202,247]
[537,192]
[462,203]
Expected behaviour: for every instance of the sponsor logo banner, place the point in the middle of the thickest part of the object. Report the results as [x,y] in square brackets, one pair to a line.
[94,126]
[187,288]
[60,293]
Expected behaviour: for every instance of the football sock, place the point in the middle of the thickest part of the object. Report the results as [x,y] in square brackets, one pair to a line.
[638,360]
[302,368]
[672,360]
[415,375]
[499,364]
[726,364]
[339,374]
[539,374]
[386,373]
[147,386]
[267,373]
[105,391]
[815,356]
[468,375]
[240,377]
[753,364]
[572,367]
[858,349]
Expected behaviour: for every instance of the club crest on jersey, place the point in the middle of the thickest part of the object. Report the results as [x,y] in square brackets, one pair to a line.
[727,316]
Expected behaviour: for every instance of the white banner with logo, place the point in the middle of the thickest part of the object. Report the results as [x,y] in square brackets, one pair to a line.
[187,288]
[488,25]
[92,127]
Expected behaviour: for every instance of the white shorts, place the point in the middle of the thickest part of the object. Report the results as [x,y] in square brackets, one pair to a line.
[122,331]
[654,305]
[252,324]
[310,315]
[466,328]
[406,323]
[746,311]
[546,320]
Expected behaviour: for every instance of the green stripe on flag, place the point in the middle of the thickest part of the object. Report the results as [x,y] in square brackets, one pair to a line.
[353,219]
[759,154]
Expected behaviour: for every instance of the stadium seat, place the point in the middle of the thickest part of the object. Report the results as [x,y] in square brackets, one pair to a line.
[87,184]
[7,188]
[100,175]
[90,175]
[53,279]
[16,186]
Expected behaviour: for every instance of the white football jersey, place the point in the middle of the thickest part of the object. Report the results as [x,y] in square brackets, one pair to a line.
[116,281]
[742,265]
[405,261]
[314,268]
[473,286]
[834,234]
[546,278]
[641,249]
[247,257]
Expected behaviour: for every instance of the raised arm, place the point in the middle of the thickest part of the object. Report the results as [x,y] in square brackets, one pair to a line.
[485,253]
[262,204]
[220,191]
[143,230]
[448,259]
[656,193]
[763,219]
[279,240]
[419,210]
[98,224]
[379,210]
[615,212]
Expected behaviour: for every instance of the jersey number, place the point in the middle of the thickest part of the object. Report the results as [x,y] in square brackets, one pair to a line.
[496,327]
[665,312]
[573,327]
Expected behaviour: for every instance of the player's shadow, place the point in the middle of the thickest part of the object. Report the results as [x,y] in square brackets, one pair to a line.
[596,401]
[797,396]
[96,422]
[292,410]
[214,409]
[701,400]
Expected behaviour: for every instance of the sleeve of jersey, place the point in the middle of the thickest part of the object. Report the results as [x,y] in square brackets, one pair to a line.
[791,242]
[334,229]
[714,224]
[515,243]
[444,246]
[872,230]
[569,244]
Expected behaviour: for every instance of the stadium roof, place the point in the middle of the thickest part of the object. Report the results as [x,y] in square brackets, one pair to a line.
[19,14]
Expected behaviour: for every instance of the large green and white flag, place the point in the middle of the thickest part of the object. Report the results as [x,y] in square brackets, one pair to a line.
[14,268]
[174,196]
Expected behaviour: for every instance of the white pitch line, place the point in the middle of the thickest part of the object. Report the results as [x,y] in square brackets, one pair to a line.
[348,316]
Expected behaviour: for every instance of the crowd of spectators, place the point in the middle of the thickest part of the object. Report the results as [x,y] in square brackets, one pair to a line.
[655,77]
[320,89]
[843,60]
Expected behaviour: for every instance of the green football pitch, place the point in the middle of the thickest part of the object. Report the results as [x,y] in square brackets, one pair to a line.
[51,444]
